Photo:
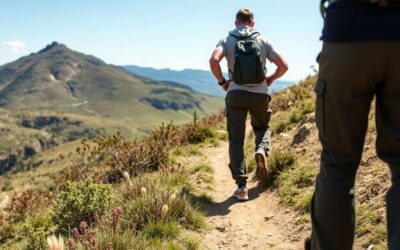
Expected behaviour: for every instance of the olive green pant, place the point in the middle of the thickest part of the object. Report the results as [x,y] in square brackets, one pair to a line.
[238,104]
[351,75]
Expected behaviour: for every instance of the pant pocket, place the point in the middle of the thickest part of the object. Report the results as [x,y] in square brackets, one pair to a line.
[320,89]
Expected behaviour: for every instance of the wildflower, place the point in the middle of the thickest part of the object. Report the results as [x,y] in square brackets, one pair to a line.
[116,216]
[173,197]
[143,191]
[71,244]
[127,178]
[164,210]
[55,243]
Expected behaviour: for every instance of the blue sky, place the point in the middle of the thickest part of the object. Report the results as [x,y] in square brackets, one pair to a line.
[173,34]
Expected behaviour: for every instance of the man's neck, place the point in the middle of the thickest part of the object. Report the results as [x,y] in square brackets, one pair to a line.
[244,26]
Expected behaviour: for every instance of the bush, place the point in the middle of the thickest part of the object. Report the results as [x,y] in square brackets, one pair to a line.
[111,155]
[24,204]
[161,231]
[280,160]
[150,202]
[81,201]
[35,237]
[198,133]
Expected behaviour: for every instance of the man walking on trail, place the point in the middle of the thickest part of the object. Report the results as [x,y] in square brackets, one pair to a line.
[360,60]
[246,52]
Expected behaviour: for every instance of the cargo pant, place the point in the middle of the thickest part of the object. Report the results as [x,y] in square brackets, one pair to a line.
[238,104]
[351,75]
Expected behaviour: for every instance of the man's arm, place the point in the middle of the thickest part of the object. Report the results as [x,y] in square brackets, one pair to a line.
[282,68]
[216,57]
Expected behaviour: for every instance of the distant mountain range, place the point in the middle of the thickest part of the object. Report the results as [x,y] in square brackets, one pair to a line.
[199,80]
[58,79]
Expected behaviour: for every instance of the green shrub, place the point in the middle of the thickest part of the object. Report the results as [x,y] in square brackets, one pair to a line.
[81,201]
[161,231]
[198,133]
[280,160]
[35,237]
[9,231]
[148,202]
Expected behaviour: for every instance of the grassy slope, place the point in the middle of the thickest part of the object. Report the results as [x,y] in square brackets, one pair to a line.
[158,231]
[295,166]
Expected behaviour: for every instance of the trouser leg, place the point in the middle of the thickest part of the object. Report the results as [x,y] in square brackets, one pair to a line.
[236,124]
[344,91]
[260,118]
[388,139]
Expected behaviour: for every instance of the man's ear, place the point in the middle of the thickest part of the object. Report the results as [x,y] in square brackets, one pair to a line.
[251,24]
[237,24]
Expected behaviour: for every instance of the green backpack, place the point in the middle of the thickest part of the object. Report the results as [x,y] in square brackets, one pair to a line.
[248,68]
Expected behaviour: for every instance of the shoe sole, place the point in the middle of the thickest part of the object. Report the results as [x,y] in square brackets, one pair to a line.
[241,198]
[261,167]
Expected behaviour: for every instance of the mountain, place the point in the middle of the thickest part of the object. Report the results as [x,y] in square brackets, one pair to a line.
[199,80]
[58,79]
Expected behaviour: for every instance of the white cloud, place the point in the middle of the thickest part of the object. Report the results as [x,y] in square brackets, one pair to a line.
[17,46]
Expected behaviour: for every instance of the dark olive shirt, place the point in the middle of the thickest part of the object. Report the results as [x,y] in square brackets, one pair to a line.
[347,21]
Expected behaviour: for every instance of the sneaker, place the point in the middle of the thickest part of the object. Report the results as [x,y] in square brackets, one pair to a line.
[262,169]
[241,194]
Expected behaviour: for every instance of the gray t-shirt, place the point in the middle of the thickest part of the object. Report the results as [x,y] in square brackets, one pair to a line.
[228,44]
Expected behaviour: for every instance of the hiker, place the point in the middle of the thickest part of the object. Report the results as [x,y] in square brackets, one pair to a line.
[360,60]
[246,52]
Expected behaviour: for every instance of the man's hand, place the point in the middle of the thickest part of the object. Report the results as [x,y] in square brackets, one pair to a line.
[269,80]
[226,85]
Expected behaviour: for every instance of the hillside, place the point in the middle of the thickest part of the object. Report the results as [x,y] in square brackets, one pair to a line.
[295,138]
[58,95]
[58,79]
[199,80]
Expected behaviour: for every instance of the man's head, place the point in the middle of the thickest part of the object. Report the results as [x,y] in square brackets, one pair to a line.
[244,17]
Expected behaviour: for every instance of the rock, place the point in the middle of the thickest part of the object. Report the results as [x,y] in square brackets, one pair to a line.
[182,220]
[9,159]
[268,217]
[284,135]
[302,134]
[310,118]
[371,247]
[245,245]
[7,163]
[220,228]
[45,121]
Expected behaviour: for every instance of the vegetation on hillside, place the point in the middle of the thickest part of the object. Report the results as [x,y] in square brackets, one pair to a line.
[294,163]
[120,195]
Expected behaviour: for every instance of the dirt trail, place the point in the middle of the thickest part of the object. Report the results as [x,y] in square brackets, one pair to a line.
[260,223]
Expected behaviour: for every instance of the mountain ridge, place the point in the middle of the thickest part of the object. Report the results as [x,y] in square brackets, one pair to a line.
[200,80]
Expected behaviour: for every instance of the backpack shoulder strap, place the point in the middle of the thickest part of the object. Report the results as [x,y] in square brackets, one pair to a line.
[252,36]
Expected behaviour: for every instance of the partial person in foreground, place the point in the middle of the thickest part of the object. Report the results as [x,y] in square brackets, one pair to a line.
[246,52]
[360,60]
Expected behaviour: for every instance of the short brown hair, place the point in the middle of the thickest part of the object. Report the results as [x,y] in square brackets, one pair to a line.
[245,16]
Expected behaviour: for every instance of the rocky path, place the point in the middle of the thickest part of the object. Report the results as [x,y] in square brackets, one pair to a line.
[260,223]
